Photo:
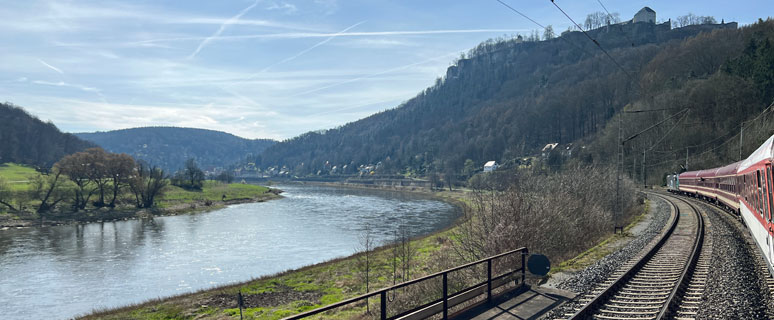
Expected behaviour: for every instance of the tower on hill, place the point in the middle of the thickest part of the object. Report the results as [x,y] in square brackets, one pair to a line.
[645,14]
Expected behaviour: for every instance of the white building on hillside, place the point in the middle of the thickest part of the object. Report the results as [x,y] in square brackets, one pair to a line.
[490,166]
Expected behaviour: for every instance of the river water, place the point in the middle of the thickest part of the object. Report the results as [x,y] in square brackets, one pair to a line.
[64,271]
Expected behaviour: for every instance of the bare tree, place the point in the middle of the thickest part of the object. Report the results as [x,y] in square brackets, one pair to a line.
[146,184]
[119,169]
[49,189]
[80,168]
[559,214]
[548,33]
[364,258]
[6,196]
[692,19]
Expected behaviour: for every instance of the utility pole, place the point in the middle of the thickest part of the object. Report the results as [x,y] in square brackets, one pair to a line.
[621,142]
[686,159]
[741,140]
[644,177]
[616,212]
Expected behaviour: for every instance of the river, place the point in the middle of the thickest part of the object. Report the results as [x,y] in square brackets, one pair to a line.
[64,271]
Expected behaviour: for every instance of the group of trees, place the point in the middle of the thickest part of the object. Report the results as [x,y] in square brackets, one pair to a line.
[107,175]
[601,19]
[692,19]
[544,212]
[722,79]
[89,178]
[190,177]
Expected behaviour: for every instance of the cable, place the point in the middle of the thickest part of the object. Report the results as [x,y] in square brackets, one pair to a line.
[540,25]
[603,7]
[670,130]
[768,109]
[521,14]
[593,40]
[610,18]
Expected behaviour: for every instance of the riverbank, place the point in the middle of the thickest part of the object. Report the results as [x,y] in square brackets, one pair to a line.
[294,291]
[175,201]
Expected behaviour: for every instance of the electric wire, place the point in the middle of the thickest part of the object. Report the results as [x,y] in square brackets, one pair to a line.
[542,26]
[746,124]
[592,40]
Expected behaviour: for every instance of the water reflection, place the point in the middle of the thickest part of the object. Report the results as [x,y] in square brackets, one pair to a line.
[70,270]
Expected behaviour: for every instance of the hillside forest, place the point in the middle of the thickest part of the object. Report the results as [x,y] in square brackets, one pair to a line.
[508,98]
[170,147]
[27,139]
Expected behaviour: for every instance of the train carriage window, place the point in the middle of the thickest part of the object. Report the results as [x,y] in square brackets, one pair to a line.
[771,199]
[765,197]
[759,192]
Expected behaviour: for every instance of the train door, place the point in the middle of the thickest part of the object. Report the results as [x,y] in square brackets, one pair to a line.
[768,183]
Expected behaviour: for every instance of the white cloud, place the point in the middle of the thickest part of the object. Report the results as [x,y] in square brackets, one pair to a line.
[302,35]
[65,84]
[288,8]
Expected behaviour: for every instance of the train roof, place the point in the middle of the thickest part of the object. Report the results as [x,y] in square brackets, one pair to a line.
[714,172]
[764,152]
[729,169]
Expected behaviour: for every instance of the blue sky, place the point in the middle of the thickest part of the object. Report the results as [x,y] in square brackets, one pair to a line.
[259,69]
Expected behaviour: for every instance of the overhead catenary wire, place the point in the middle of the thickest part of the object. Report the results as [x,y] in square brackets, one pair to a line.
[603,7]
[593,40]
[732,138]
[670,130]
[544,27]
[610,17]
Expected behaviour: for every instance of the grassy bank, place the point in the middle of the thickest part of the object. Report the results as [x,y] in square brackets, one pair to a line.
[174,200]
[295,291]
[288,293]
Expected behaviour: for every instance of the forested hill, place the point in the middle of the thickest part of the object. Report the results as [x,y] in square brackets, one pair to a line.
[28,140]
[508,98]
[170,147]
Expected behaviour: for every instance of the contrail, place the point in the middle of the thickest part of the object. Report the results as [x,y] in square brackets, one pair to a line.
[222,28]
[307,49]
[376,74]
[299,35]
[51,67]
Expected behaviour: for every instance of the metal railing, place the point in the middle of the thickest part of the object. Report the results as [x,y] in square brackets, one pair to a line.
[447,300]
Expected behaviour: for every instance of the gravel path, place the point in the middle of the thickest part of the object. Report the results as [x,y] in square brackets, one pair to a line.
[585,280]
[736,288]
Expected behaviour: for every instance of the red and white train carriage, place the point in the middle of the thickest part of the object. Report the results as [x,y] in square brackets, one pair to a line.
[746,187]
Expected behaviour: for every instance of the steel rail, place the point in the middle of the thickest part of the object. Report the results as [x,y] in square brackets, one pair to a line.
[671,302]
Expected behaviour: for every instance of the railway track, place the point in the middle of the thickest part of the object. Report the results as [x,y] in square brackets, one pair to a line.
[667,280]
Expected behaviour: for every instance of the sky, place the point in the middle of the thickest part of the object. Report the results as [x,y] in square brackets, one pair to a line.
[261,69]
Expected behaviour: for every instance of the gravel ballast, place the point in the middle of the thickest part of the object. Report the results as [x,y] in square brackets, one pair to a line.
[736,286]
[585,280]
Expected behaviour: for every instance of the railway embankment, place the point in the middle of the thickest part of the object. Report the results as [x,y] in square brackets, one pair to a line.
[583,273]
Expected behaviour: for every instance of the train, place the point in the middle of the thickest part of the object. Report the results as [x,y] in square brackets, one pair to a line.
[744,188]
